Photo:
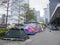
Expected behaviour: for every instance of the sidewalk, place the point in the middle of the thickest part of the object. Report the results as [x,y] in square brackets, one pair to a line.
[42,38]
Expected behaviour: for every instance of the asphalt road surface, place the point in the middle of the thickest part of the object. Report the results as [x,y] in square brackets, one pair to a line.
[42,38]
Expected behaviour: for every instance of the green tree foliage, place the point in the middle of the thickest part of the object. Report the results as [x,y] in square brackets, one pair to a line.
[29,12]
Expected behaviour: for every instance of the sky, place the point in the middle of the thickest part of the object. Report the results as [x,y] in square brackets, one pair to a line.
[39,5]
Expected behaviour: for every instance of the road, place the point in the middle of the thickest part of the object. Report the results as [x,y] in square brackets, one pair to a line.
[42,38]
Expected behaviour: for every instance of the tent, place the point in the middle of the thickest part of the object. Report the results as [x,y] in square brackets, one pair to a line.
[28,30]
[16,34]
[36,25]
[32,21]
[39,28]
[32,28]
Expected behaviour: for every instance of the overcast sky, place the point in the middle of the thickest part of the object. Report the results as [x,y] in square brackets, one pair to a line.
[39,5]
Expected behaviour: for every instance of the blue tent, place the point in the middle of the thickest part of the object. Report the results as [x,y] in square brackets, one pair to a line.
[29,33]
[28,30]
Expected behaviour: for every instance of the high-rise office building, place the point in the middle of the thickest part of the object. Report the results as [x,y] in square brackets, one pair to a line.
[3,19]
[16,10]
[37,14]
[53,4]
[46,15]
[42,19]
[54,12]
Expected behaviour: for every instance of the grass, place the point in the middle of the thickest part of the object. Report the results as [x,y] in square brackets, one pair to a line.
[3,32]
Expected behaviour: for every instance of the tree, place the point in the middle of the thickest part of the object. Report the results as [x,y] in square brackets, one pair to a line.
[29,12]
[30,15]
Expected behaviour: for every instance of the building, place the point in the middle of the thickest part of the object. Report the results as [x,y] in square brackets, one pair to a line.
[16,10]
[0,20]
[54,12]
[3,19]
[53,4]
[42,19]
[37,14]
[46,15]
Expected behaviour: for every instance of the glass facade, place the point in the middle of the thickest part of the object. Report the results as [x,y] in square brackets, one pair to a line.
[53,4]
[46,16]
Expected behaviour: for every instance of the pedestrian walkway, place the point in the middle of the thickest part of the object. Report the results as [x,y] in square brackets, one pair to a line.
[42,38]
[46,38]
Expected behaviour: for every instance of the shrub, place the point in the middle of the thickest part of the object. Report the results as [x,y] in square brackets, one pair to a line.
[2,34]
[3,31]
